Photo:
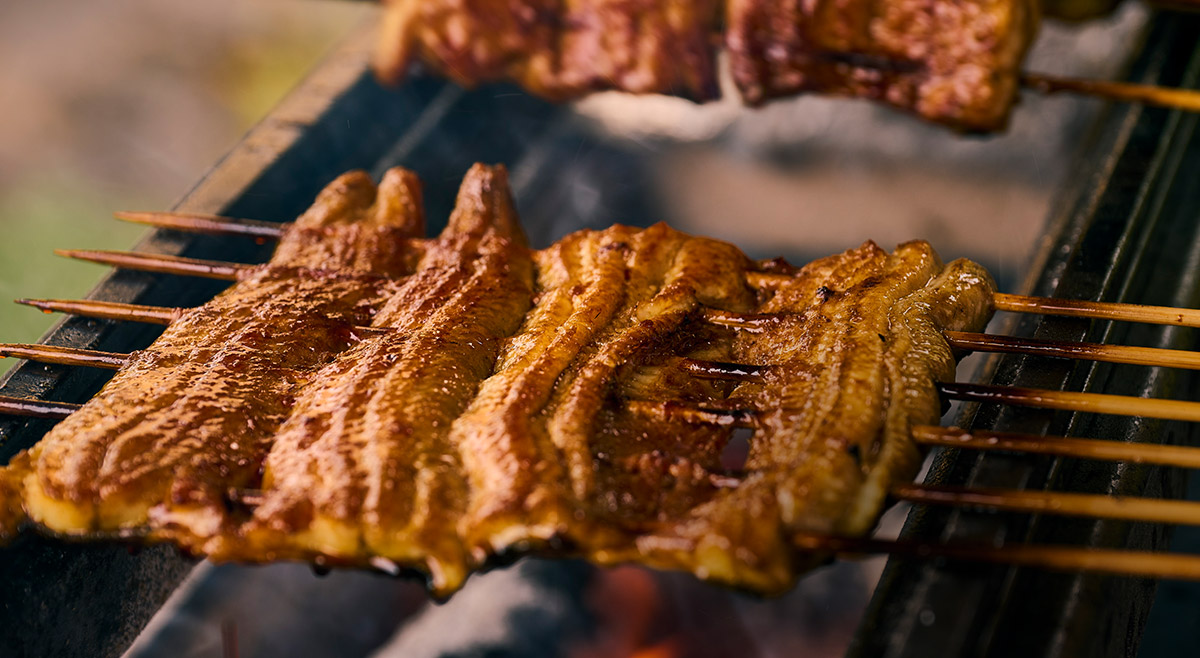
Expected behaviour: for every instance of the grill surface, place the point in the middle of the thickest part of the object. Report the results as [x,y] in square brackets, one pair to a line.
[1123,232]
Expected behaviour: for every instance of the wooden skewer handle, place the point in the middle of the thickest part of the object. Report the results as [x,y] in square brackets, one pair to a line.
[1181,99]
[205,223]
[1137,453]
[1148,564]
[1120,405]
[1182,317]
[67,356]
[1142,356]
[1156,510]
[106,310]
[36,408]
[161,263]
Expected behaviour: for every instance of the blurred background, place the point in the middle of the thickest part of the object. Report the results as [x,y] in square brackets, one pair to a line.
[124,104]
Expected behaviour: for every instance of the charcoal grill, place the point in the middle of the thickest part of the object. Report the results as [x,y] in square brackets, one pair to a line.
[1125,229]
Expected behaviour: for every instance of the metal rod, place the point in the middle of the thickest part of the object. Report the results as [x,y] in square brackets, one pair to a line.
[210,224]
[1143,356]
[1136,453]
[1100,403]
[67,356]
[210,269]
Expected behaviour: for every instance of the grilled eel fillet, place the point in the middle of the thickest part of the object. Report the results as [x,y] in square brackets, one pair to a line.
[508,401]
[191,418]
[365,465]
[557,49]
[954,62]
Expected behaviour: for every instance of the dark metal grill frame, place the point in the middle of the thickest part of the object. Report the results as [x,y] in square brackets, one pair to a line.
[1125,230]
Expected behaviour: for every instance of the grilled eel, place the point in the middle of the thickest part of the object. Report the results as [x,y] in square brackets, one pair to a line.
[508,401]
[157,451]
[955,63]
[558,50]
[574,441]
[364,466]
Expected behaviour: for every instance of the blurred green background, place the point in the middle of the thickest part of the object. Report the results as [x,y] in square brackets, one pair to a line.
[123,104]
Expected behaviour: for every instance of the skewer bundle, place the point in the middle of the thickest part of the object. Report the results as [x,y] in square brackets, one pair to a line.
[695,389]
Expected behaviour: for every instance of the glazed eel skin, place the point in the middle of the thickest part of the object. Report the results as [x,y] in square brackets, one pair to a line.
[554,48]
[483,399]
[188,420]
[953,62]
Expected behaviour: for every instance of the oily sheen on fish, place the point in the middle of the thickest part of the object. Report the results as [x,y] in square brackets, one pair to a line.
[364,466]
[186,420]
[467,398]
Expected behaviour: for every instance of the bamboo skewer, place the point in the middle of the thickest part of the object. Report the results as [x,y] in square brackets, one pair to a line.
[1144,356]
[1182,317]
[210,224]
[706,369]
[1136,453]
[1148,564]
[745,321]
[1129,92]
[1120,405]
[106,310]
[210,269]
[1156,510]
[728,412]
[36,408]
[67,356]
[1180,456]
[149,314]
